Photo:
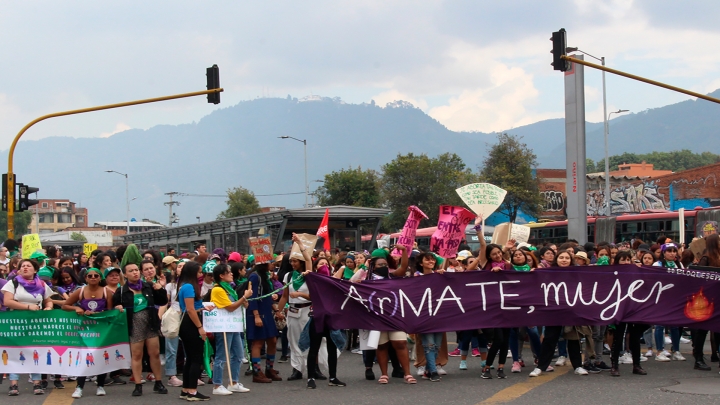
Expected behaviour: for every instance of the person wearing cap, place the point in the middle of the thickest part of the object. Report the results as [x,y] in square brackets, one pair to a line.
[169,264]
[581,259]
[207,269]
[235,257]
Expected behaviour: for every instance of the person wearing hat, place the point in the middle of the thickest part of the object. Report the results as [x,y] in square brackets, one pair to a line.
[581,259]
[235,257]
[207,269]
[169,264]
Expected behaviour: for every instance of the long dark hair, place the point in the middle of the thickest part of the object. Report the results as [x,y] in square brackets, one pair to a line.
[71,271]
[712,244]
[189,275]
[285,267]
[625,254]
[262,272]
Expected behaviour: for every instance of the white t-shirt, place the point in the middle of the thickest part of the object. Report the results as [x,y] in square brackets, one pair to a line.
[24,297]
[172,292]
[5,260]
[303,289]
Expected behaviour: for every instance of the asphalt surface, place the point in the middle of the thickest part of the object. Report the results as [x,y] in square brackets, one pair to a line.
[666,383]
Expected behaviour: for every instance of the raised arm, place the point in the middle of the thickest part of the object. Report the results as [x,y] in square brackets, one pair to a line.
[304,250]
[474,263]
[402,268]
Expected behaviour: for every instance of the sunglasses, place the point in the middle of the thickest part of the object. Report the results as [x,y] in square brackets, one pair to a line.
[93,276]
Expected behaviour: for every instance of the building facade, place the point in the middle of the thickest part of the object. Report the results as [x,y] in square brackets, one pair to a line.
[52,215]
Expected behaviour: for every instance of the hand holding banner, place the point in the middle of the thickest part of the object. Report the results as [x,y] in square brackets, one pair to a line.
[407,236]
[450,230]
[482,198]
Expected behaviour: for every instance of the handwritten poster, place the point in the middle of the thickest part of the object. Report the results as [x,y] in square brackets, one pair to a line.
[88,248]
[262,249]
[222,320]
[407,236]
[482,198]
[450,230]
[30,244]
[506,231]
[309,241]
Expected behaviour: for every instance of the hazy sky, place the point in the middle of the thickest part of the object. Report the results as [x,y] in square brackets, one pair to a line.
[472,65]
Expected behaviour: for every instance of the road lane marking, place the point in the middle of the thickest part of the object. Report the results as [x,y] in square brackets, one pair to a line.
[515,391]
[60,397]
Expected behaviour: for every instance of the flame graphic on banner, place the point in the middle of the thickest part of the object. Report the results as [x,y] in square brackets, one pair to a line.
[698,308]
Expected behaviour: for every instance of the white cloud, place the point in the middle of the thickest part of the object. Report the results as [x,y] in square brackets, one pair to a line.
[119,127]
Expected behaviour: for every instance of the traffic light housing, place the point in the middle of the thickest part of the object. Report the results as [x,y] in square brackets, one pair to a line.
[213,82]
[24,202]
[4,191]
[559,40]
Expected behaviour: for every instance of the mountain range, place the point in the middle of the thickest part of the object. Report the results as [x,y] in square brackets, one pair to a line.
[240,146]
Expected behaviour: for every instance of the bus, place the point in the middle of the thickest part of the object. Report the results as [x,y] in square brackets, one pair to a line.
[647,225]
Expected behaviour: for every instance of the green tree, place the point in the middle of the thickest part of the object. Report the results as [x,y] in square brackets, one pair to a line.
[78,237]
[240,201]
[590,166]
[22,222]
[422,181]
[509,164]
[356,187]
[676,161]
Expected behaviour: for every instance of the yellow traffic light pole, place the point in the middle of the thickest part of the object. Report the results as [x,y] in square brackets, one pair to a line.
[10,178]
[640,78]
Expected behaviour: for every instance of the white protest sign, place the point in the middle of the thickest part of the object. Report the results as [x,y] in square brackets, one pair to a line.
[222,320]
[520,233]
[506,231]
[482,198]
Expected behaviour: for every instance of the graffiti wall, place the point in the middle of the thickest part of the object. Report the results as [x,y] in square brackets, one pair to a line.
[636,198]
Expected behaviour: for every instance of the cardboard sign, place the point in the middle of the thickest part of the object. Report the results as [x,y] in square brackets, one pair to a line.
[407,236]
[506,231]
[261,248]
[450,230]
[482,198]
[222,320]
[88,248]
[309,241]
[30,244]
[697,246]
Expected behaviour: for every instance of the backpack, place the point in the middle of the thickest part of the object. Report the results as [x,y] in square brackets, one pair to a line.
[170,321]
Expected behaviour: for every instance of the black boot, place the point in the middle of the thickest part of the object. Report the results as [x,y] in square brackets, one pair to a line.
[137,392]
[296,375]
[319,375]
[160,388]
[700,365]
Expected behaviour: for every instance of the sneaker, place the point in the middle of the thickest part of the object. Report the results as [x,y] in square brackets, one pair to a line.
[509,355]
[649,353]
[334,382]
[516,367]
[421,370]
[684,340]
[200,383]
[183,395]
[283,359]
[501,374]
[311,384]
[77,393]
[549,369]
[677,356]
[602,366]
[58,384]
[441,371]
[237,387]
[221,390]
[197,396]
[162,360]
[668,341]
[175,382]
[245,361]
[455,353]
[626,358]
[463,364]
[159,388]
[643,358]
[38,390]
[701,365]
[100,392]
[43,384]
[522,362]
[150,377]
[662,357]
[434,377]
[476,352]
[581,371]
[486,374]
[535,373]
[666,353]
[590,367]
[356,351]
[560,361]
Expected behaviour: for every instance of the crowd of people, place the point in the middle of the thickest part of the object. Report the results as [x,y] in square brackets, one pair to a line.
[278,310]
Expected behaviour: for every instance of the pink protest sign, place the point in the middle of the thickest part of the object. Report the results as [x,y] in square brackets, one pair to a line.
[407,236]
[450,230]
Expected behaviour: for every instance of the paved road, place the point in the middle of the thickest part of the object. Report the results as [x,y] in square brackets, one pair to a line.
[458,387]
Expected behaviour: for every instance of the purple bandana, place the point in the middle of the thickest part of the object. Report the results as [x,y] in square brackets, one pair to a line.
[34,287]
[137,286]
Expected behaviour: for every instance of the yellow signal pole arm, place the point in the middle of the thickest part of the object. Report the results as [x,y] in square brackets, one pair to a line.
[640,78]
[10,180]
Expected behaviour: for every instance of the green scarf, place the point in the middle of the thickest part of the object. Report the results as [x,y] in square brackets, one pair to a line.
[670,265]
[347,273]
[297,280]
[603,261]
[524,267]
[229,290]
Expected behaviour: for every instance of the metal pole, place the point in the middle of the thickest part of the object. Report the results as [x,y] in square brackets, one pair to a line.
[127,205]
[607,152]
[307,187]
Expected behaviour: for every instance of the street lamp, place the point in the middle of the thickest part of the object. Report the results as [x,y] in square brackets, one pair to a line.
[607,159]
[127,199]
[304,142]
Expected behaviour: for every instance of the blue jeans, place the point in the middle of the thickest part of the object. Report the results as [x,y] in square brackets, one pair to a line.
[534,338]
[674,337]
[431,342]
[234,345]
[562,347]
[171,348]
[16,377]
[471,338]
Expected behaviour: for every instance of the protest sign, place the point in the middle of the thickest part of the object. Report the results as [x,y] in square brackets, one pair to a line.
[88,248]
[308,241]
[30,244]
[697,246]
[222,320]
[63,342]
[261,248]
[482,198]
[588,295]
[506,231]
[407,236]
[450,230]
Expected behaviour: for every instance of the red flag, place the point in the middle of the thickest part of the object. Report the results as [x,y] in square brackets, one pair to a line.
[323,231]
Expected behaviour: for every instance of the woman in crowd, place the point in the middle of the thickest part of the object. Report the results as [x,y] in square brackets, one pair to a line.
[66,261]
[139,298]
[647,259]
[298,296]
[668,259]
[547,256]
[149,271]
[520,262]
[710,258]
[26,292]
[69,282]
[87,300]
[82,264]
[427,264]
[261,327]
[172,344]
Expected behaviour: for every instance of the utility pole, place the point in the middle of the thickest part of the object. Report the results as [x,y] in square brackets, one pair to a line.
[171,219]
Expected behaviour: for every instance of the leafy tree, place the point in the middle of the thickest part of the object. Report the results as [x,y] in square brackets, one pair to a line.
[78,237]
[356,187]
[509,164]
[422,181]
[22,222]
[590,166]
[240,201]
[675,160]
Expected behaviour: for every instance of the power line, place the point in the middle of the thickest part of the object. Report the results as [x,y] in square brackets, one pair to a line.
[224,195]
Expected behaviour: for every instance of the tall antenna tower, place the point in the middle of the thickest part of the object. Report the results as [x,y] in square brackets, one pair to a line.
[172,218]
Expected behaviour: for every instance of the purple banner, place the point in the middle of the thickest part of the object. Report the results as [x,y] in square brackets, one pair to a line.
[545,297]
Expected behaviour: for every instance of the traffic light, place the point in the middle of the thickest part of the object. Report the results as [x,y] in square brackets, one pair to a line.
[24,202]
[559,40]
[213,82]
[4,191]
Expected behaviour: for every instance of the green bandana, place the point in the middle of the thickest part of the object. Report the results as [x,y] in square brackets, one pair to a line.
[670,265]
[228,289]
[525,267]
[603,261]
[348,272]
[297,280]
